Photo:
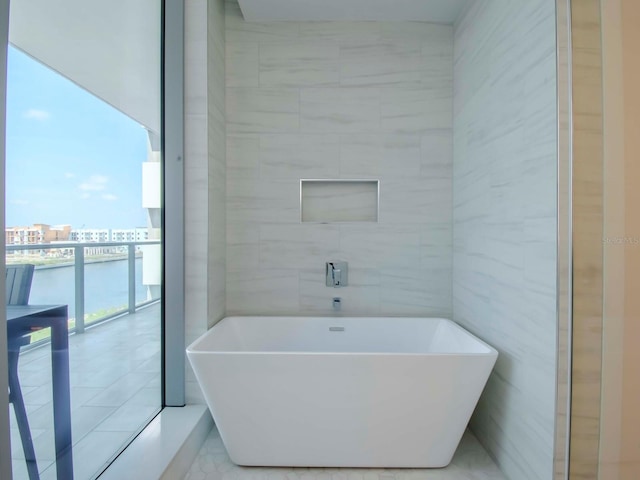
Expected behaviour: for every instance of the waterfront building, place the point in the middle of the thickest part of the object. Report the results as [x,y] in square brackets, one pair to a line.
[37,233]
[139,234]
[87,235]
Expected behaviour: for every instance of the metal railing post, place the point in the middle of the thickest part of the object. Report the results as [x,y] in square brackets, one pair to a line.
[79,277]
[132,278]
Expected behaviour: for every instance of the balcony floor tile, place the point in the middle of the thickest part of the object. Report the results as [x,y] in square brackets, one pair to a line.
[114,370]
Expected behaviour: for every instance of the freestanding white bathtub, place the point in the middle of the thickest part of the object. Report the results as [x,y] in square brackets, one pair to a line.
[341,392]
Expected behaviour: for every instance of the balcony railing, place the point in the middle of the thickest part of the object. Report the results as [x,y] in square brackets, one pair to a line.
[77,251]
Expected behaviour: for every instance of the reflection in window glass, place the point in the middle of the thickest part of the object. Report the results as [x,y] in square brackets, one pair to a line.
[83,206]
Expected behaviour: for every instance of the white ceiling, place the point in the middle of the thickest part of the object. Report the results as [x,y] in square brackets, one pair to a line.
[109,48]
[438,11]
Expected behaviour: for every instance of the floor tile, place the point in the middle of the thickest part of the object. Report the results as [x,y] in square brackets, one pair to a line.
[470,462]
[115,385]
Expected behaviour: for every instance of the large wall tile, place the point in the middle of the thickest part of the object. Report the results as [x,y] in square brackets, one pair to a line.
[243,246]
[377,246]
[299,246]
[243,156]
[504,232]
[390,64]
[416,200]
[387,156]
[242,64]
[436,150]
[263,292]
[415,110]
[401,156]
[435,245]
[216,92]
[299,156]
[262,110]
[255,201]
[360,155]
[337,110]
[415,291]
[300,64]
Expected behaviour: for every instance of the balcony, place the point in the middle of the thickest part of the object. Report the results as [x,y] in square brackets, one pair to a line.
[115,362]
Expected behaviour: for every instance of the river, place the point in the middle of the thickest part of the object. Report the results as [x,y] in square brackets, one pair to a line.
[106,286]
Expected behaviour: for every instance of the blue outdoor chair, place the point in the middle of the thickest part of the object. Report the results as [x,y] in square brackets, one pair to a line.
[18,285]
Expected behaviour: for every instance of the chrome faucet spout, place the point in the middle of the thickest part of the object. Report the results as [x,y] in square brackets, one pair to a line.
[337,303]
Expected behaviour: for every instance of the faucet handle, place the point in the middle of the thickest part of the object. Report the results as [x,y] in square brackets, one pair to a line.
[336,274]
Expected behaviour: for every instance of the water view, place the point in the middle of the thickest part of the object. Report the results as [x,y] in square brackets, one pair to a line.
[106,286]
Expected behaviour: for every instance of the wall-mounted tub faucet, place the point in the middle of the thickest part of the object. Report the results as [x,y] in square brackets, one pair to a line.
[337,303]
[336,273]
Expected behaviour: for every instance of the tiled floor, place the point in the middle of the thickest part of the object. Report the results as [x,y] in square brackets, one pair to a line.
[115,388]
[470,462]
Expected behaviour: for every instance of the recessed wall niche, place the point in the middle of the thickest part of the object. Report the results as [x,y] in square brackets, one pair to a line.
[325,201]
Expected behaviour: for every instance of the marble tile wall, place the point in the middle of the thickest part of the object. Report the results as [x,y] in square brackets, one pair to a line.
[338,100]
[505,214]
[217,151]
[196,184]
[205,225]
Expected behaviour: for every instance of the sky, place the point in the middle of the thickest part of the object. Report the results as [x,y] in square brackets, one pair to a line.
[70,157]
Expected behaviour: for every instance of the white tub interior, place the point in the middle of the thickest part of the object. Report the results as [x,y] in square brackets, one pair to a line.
[366,335]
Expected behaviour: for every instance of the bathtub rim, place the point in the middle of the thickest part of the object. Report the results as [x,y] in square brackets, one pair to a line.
[192,348]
